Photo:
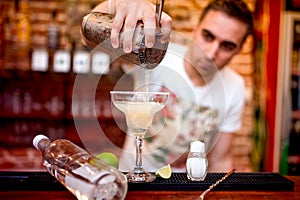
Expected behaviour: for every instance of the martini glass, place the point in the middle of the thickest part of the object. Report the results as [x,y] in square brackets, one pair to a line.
[139,109]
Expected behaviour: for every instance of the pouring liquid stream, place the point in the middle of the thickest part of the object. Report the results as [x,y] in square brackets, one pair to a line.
[147,80]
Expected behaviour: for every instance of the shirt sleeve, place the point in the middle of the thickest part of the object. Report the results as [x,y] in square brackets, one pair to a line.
[233,115]
[235,101]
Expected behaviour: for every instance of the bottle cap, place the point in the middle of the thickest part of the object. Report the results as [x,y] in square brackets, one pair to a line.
[197,146]
[37,139]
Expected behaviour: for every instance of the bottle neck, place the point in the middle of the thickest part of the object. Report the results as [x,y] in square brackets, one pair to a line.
[43,144]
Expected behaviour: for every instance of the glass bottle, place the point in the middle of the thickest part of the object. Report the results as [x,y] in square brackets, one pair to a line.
[96,27]
[53,32]
[196,163]
[82,174]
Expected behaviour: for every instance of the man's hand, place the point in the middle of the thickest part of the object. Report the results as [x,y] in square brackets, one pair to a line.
[127,14]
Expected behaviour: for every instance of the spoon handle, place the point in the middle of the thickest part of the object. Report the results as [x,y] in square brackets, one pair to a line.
[159,9]
[201,197]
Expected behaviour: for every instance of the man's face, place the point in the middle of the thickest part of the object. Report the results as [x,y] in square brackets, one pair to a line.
[220,36]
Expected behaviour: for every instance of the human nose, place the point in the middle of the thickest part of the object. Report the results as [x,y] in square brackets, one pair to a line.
[212,50]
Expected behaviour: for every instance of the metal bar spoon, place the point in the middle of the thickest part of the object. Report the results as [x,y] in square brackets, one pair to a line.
[201,197]
[158,11]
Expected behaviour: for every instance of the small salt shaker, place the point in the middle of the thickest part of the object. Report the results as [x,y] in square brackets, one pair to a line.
[196,163]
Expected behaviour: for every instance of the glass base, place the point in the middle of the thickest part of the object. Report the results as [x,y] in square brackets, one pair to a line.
[134,177]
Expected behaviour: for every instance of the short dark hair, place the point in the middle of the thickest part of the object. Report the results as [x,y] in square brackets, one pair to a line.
[233,8]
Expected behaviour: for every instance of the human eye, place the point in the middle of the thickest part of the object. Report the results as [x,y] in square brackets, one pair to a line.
[228,46]
[207,36]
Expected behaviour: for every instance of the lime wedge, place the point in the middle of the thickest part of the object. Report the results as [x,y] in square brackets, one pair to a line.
[109,158]
[164,172]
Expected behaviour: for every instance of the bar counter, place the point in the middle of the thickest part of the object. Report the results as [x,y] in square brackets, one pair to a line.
[157,195]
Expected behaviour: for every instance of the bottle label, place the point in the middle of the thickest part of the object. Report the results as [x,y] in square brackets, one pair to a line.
[40,59]
[62,61]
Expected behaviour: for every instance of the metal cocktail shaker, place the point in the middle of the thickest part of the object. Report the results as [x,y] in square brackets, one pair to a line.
[96,27]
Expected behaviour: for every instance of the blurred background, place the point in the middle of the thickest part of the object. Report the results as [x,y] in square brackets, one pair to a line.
[41,51]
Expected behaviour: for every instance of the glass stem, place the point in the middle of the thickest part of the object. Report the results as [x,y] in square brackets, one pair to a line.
[138,161]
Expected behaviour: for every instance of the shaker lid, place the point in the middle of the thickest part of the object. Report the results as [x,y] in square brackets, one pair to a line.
[197,146]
